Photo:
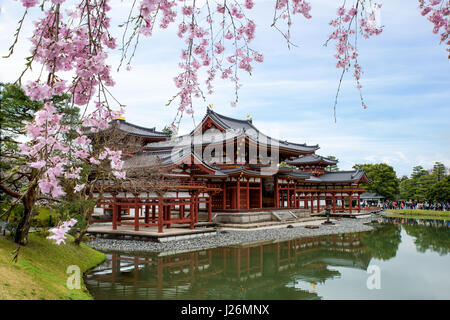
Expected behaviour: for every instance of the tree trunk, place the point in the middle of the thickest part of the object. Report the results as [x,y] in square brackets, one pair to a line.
[24,225]
[87,216]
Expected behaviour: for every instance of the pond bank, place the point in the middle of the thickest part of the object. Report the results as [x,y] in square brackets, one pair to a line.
[40,272]
[417,214]
[229,237]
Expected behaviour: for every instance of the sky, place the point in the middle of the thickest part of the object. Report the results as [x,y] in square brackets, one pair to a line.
[406,84]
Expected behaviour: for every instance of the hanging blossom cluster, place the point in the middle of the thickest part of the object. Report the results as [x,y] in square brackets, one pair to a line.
[438,13]
[75,43]
[345,35]
[59,233]
[217,39]
[60,46]
[220,46]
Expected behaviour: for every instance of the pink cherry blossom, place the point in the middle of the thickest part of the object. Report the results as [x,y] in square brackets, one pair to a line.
[38,164]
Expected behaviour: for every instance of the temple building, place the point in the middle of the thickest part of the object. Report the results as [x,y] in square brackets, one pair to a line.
[225,167]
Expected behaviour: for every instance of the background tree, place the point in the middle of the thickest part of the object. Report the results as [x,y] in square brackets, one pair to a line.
[333,167]
[15,107]
[19,182]
[383,179]
[406,189]
[439,171]
[423,186]
[417,172]
[440,191]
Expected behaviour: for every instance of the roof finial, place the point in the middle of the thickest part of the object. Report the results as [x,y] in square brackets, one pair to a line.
[119,115]
[211,106]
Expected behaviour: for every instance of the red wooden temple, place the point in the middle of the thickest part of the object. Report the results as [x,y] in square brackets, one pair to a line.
[227,165]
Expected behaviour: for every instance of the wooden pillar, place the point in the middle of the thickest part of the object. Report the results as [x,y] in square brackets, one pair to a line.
[192,211]
[277,194]
[318,202]
[248,195]
[350,200]
[312,202]
[160,215]
[224,198]
[181,211]
[197,207]
[168,214]
[146,213]
[238,194]
[136,214]
[306,198]
[334,202]
[210,209]
[359,203]
[260,193]
[114,217]
[153,213]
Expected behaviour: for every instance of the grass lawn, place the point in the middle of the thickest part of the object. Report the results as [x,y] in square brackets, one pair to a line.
[417,214]
[40,272]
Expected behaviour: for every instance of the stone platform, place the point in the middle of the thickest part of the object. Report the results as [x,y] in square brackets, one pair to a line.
[150,233]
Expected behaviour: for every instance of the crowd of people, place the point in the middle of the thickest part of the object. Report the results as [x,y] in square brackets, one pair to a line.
[438,206]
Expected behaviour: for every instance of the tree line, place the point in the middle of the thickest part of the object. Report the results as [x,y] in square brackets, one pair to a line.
[421,186]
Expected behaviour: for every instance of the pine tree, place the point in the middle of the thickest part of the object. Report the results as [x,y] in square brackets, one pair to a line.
[439,171]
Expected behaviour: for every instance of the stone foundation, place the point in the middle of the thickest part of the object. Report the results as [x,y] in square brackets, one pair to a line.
[243,217]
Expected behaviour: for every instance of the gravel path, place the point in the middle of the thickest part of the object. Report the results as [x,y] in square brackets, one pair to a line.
[231,237]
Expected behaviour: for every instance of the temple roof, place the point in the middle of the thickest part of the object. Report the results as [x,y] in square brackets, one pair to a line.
[295,175]
[235,128]
[137,130]
[311,159]
[241,170]
[167,158]
[340,176]
[228,123]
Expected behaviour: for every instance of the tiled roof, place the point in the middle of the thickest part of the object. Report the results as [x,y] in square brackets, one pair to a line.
[295,174]
[235,128]
[247,125]
[137,130]
[340,176]
[165,158]
[311,159]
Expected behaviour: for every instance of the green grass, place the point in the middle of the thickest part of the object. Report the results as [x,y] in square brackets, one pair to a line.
[40,272]
[417,214]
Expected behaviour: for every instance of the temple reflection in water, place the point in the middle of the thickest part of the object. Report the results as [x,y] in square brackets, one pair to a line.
[251,271]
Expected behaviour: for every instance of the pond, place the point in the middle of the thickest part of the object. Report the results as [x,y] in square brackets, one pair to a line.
[395,261]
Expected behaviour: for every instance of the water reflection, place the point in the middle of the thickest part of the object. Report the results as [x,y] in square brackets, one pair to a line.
[332,266]
[382,243]
[256,271]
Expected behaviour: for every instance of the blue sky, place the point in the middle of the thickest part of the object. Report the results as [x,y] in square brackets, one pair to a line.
[406,85]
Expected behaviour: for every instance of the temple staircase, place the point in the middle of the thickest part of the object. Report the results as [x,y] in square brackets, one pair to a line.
[284,215]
